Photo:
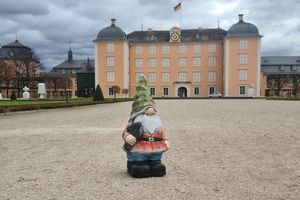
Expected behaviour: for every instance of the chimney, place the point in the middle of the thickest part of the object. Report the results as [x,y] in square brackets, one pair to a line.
[113,22]
[241,17]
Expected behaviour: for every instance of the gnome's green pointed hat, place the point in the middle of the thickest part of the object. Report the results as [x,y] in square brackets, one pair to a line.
[142,99]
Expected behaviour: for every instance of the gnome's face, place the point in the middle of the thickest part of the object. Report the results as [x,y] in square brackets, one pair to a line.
[150,121]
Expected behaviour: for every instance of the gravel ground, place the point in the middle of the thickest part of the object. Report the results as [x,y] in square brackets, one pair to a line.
[220,149]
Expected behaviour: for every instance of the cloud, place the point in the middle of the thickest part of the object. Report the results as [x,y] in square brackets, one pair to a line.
[49,26]
[16,7]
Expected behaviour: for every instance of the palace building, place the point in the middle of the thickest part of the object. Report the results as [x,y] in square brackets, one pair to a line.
[180,63]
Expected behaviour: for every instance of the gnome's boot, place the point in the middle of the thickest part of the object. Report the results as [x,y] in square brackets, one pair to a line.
[138,169]
[157,168]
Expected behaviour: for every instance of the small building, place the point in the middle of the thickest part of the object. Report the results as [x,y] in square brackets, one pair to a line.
[69,68]
[21,69]
[281,75]
[86,80]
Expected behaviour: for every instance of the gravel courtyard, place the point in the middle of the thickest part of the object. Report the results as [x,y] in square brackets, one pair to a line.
[220,149]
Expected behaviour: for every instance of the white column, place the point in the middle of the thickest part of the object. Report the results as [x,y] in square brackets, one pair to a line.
[258,69]
[96,65]
[226,81]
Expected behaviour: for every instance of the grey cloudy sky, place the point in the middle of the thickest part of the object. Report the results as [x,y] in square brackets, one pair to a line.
[48,26]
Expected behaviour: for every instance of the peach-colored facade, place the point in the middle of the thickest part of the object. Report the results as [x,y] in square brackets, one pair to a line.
[187,68]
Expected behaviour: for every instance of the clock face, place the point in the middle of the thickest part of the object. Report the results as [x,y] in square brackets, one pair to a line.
[175,37]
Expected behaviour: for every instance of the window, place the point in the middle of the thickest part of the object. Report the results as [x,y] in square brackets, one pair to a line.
[212,47]
[110,47]
[243,58]
[196,62]
[182,62]
[196,91]
[242,90]
[152,91]
[166,49]
[243,44]
[197,48]
[243,75]
[138,50]
[182,76]
[110,91]
[196,76]
[110,61]
[294,68]
[165,77]
[165,91]
[282,68]
[165,62]
[211,76]
[139,62]
[152,50]
[73,71]
[110,76]
[138,75]
[152,77]
[212,61]
[63,71]
[152,62]
[211,90]
[182,49]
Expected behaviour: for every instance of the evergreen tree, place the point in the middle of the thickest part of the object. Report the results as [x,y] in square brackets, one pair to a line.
[13,96]
[98,96]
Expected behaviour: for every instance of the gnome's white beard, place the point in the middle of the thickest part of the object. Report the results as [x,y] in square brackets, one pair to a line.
[150,123]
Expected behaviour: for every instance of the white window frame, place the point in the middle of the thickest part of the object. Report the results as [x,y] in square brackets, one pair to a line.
[137,76]
[165,77]
[212,76]
[73,71]
[197,48]
[196,76]
[214,89]
[110,47]
[212,61]
[63,71]
[138,62]
[243,74]
[195,90]
[152,49]
[110,61]
[212,47]
[182,76]
[182,48]
[152,77]
[138,50]
[152,62]
[243,58]
[165,62]
[110,76]
[182,62]
[154,89]
[163,91]
[243,44]
[244,91]
[197,61]
[166,49]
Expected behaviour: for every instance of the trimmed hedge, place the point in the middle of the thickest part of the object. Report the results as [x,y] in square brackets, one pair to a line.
[4,109]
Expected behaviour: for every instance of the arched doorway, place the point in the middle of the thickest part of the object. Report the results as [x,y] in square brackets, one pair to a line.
[182,92]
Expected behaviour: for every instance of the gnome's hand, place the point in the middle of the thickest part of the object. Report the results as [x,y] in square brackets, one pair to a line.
[130,139]
[167,144]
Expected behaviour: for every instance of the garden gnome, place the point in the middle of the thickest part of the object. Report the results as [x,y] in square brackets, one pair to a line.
[144,138]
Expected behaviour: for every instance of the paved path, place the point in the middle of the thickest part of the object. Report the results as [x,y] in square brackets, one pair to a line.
[220,149]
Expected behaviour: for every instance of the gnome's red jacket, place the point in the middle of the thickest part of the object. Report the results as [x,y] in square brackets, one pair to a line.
[151,143]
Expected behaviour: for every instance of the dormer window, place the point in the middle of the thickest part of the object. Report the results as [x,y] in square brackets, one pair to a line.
[294,68]
[152,37]
[197,36]
[11,53]
[282,68]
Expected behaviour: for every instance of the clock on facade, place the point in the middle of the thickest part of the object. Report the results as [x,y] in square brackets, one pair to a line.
[175,37]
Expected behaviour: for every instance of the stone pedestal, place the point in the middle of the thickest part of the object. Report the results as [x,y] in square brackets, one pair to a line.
[42,90]
[26,94]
